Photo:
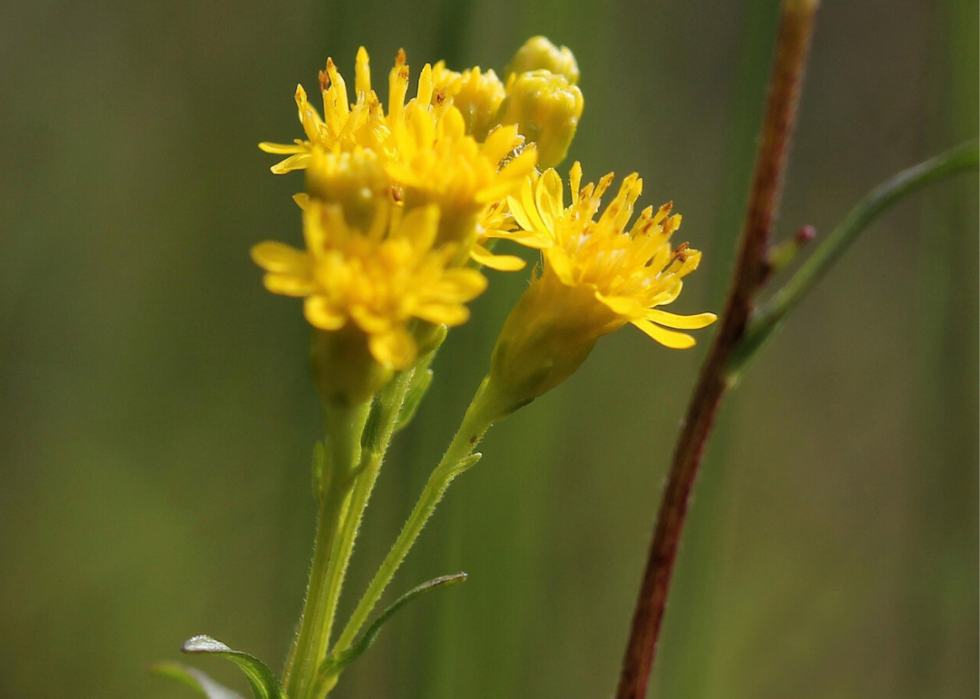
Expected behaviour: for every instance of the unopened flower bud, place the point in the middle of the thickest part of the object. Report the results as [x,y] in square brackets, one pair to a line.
[538,53]
[546,108]
[355,180]
[478,99]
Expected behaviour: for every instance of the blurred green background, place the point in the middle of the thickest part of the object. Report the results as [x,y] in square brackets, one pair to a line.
[157,418]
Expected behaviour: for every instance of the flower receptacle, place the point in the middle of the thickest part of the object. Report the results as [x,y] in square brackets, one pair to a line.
[344,370]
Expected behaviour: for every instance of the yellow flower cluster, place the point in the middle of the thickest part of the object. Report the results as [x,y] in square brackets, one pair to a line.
[401,201]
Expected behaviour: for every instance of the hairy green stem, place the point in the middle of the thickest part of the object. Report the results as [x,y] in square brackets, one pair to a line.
[376,441]
[480,415]
[343,453]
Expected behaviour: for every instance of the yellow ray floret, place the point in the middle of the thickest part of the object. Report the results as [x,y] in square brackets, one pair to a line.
[378,280]
[495,222]
[628,272]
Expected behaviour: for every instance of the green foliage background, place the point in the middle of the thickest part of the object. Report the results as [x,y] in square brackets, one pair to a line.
[157,420]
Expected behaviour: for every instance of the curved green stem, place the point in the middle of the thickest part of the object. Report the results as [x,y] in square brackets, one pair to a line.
[480,415]
[774,313]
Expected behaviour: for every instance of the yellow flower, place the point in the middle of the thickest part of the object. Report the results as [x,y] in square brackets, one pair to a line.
[597,276]
[438,163]
[377,280]
[344,127]
[426,146]
[630,273]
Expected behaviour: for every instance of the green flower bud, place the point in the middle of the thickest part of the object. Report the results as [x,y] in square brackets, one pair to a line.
[478,99]
[538,53]
[546,108]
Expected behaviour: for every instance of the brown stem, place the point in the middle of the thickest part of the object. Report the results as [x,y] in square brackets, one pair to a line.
[751,272]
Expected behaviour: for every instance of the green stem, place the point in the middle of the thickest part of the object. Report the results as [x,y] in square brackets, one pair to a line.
[774,313]
[480,415]
[343,452]
[376,440]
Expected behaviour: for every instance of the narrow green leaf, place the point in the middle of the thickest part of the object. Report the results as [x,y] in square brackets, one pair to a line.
[195,679]
[416,392]
[464,464]
[334,665]
[262,680]
[771,316]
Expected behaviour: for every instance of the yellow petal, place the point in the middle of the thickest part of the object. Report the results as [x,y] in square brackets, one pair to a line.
[672,320]
[501,263]
[283,148]
[520,215]
[466,284]
[420,226]
[529,239]
[362,72]
[395,348]
[321,314]
[450,314]
[293,162]
[548,198]
[499,143]
[575,180]
[278,257]
[667,338]
[623,305]
[288,285]
[521,166]
[668,295]
[369,321]
[425,85]
[561,265]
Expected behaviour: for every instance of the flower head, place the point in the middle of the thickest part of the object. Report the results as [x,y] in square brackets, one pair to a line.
[598,275]
[438,163]
[344,126]
[428,149]
[629,272]
[378,280]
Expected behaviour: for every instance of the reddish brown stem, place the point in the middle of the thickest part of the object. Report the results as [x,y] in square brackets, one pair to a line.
[751,271]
